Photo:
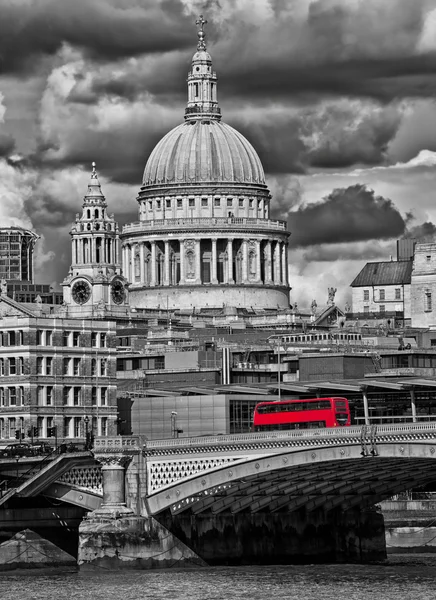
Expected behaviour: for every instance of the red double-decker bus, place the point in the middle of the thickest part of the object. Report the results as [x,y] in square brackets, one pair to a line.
[301,414]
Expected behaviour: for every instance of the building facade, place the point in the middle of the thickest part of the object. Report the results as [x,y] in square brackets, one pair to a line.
[55,373]
[204,236]
[423,293]
[16,254]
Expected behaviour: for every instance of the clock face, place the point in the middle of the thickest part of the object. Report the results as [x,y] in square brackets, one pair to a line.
[81,292]
[117,292]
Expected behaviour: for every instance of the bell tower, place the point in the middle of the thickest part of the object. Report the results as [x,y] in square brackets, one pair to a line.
[94,282]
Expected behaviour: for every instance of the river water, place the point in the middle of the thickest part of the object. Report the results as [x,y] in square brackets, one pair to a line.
[402,577]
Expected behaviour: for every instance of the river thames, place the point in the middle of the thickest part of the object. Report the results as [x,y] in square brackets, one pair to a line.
[404,577]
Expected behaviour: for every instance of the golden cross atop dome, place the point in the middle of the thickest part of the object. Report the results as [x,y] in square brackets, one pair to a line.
[201,23]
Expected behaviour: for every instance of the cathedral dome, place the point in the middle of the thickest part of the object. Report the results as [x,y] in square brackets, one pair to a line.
[201,151]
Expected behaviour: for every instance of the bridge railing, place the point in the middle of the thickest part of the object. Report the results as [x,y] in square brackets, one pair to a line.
[346,432]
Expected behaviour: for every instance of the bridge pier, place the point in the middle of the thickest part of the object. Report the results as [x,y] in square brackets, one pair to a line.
[117,535]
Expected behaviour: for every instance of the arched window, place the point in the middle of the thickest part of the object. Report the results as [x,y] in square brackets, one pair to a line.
[88,214]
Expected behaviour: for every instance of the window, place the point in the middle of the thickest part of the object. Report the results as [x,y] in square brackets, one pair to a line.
[66,337]
[49,338]
[366,295]
[12,396]
[229,201]
[102,340]
[251,203]
[12,338]
[2,397]
[428,257]
[49,365]
[179,203]
[94,339]
[241,202]
[76,366]
[94,396]
[93,367]
[104,426]
[150,204]
[12,366]
[427,301]
[20,396]
[66,395]
[103,366]
[2,367]
[40,395]
[204,202]
[158,204]
[382,308]
[20,366]
[49,395]
[39,338]
[39,363]
[192,202]
[382,295]
[76,335]
[66,366]
[77,426]
[103,396]
[76,396]
[217,202]
[397,294]
[168,203]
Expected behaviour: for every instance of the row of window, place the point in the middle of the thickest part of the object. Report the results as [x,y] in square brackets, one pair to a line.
[382,295]
[72,396]
[72,427]
[204,203]
[428,306]
[45,366]
[44,337]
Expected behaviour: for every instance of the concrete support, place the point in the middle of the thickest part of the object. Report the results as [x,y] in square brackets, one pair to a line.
[244,261]
[182,262]
[142,263]
[167,263]
[258,263]
[153,263]
[214,278]
[277,263]
[230,275]
[365,406]
[284,276]
[197,262]
[268,263]
[413,404]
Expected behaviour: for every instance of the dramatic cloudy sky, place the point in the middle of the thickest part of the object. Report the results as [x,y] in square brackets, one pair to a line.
[337,96]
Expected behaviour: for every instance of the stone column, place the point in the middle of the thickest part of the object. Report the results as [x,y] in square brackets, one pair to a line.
[167,263]
[132,263]
[268,263]
[244,261]
[116,251]
[182,262]
[142,263]
[258,265]
[284,275]
[197,261]
[230,276]
[92,250]
[153,263]
[277,262]
[214,278]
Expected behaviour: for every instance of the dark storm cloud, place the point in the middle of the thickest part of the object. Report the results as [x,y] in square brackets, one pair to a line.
[426,232]
[352,214]
[105,29]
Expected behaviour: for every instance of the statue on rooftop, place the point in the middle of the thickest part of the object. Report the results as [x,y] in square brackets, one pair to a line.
[331,298]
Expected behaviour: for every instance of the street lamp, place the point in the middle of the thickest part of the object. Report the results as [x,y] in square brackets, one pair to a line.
[86,421]
[174,429]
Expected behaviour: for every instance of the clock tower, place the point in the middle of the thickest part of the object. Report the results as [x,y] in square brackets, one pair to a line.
[94,285]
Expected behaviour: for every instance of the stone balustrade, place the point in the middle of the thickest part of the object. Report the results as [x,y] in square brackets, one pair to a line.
[204,223]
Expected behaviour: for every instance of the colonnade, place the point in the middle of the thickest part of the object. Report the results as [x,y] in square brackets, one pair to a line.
[98,249]
[212,261]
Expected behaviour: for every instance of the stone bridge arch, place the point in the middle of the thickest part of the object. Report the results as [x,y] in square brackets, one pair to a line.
[356,468]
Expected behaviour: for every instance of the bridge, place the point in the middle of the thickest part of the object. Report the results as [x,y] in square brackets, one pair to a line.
[313,491]
[284,471]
